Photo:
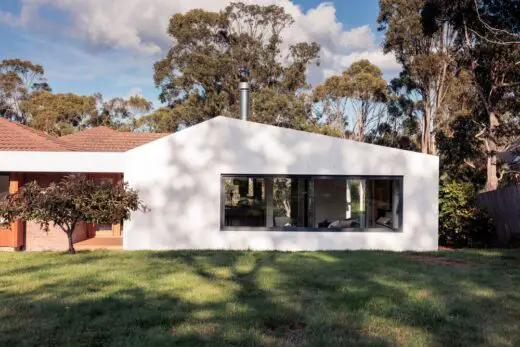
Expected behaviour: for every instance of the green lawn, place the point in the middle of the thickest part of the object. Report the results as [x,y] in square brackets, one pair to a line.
[451,298]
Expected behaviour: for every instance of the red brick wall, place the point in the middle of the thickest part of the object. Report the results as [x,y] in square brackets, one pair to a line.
[44,179]
[55,239]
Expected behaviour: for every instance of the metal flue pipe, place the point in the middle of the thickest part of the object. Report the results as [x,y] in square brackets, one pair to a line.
[244,100]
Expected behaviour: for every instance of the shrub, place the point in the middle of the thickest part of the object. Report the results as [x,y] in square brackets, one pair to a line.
[461,222]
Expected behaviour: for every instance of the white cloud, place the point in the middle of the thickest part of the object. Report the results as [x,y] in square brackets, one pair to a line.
[360,38]
[140,26]
[8,18]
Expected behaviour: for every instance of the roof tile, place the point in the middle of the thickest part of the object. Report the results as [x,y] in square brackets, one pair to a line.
[104,139]
[17,137]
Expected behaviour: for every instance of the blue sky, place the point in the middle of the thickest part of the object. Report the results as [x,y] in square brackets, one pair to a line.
[89,46]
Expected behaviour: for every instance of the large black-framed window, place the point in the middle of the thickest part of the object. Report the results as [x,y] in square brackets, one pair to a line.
[311,203]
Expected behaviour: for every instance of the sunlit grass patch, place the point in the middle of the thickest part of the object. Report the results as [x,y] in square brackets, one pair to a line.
[260,299]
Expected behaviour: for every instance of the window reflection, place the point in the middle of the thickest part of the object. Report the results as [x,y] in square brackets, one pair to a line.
[291,202]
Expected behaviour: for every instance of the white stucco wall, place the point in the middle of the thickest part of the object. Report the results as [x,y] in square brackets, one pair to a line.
[179,179]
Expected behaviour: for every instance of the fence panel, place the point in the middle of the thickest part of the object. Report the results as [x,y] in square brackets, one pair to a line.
[503,205]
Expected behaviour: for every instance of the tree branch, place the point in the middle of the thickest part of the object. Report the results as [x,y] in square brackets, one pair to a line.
[507,85]
[481,132]
[493,29]
[503,43]
[470,164]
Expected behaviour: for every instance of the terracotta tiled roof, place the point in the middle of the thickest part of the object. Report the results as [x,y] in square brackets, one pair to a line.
[17,137]
[103,139]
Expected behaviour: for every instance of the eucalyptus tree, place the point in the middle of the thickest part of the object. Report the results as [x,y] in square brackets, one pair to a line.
[367,92]
[119,113]
[58,114]
[353,102]
[159,121]
[489,46]
[331,98]
[213,51]
[18,79]
[426,53]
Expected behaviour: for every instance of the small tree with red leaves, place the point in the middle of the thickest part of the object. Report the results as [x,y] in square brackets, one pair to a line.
[73,200]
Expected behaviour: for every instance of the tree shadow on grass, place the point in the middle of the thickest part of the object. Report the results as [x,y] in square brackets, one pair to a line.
[259,298]
[357,290]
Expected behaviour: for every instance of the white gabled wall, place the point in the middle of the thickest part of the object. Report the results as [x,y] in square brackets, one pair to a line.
[179,179]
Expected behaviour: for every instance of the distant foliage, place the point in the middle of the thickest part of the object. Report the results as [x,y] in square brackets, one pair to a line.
[18,80]
[354,102]
[119,113]
[58,114]
[461,222]
[460,153]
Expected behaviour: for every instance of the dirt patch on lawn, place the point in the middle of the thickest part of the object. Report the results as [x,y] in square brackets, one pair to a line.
[433,260]
[285,336]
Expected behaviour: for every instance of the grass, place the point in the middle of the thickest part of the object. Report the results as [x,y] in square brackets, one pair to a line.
[449,298]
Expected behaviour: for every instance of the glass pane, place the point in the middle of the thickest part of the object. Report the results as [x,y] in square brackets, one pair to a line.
[310,205]
[290,202]
[4,192]
[384,207]
[283,202]
[356,202]
[244,202]
[4,186]
[339,203]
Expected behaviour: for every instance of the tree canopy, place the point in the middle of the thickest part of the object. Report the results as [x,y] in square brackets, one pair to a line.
[18,79]
[214,51]
[460,75]
[488,43]
[361,87]
[427,57]
[119,113]
[58,114]
[72,200]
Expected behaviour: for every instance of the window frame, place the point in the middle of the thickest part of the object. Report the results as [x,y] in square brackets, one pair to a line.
[399,178]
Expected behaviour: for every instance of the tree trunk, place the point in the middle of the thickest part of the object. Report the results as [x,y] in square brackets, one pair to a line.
[339,122]
[425,136]
[491,151]
[71,244]
[492,178]
[361,131]
[433,145]
[363,120]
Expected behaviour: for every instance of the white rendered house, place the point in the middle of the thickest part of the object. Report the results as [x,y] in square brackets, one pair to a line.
[232,184]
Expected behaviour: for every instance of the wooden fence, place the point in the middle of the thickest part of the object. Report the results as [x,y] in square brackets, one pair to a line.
[503,206]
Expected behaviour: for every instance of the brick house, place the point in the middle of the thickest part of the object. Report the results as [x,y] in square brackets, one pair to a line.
[30,155]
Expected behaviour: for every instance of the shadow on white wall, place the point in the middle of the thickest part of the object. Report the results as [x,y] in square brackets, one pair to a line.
[179,179]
